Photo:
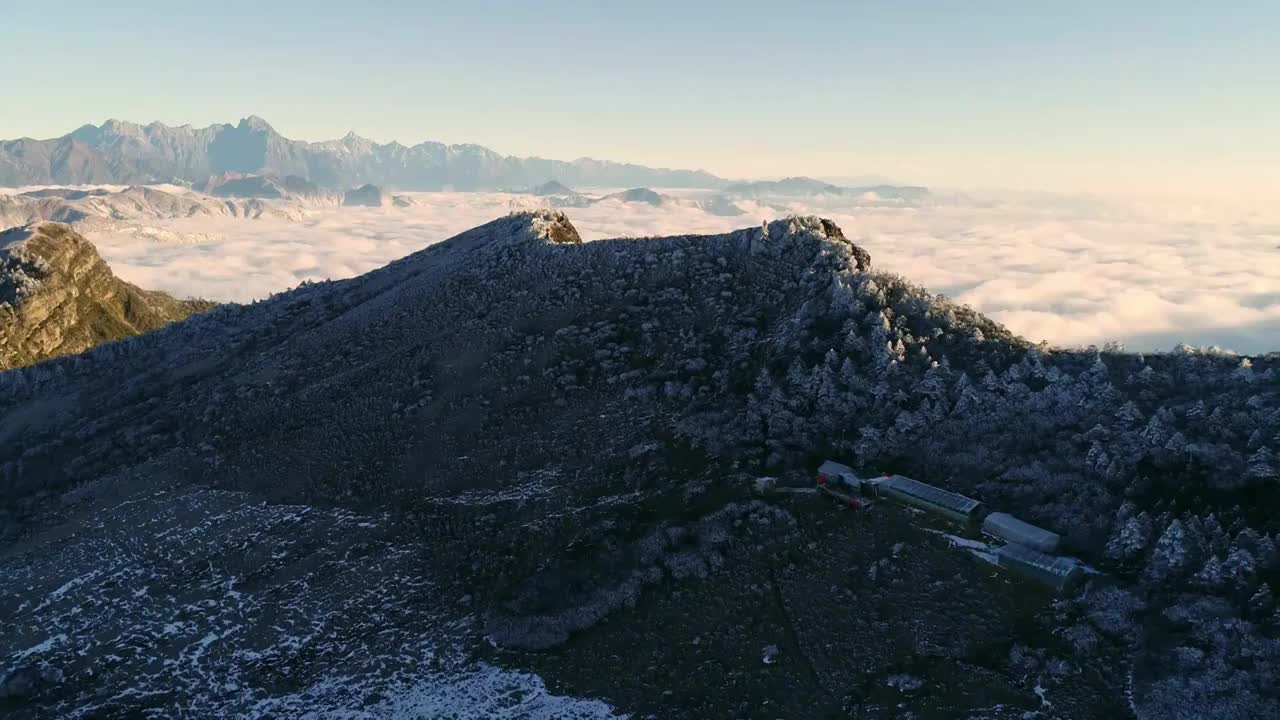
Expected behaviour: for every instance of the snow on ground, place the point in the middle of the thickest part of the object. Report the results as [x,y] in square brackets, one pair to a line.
[204,603]
[977,548]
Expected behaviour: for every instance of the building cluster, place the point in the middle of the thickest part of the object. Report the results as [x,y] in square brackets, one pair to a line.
[1028,550]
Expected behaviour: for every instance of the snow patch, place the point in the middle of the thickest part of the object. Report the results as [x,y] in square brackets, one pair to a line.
[39,648]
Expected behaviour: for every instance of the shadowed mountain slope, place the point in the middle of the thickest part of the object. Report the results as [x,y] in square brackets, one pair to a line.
[516,450]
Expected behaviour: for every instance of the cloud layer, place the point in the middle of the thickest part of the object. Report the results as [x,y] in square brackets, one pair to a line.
[1149,276]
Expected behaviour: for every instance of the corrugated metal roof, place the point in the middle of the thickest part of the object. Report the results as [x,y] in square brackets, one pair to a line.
[937,496]
[1051,564]
[832,469]
[1012,529]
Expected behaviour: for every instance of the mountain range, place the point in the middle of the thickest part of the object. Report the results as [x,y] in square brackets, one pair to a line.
[251,159]
[556,195]
[118,152]
[93,208]
[808,187]
[519,475]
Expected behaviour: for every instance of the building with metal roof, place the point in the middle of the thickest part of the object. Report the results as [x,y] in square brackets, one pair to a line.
[922,495]
[1011,529]
[833,473]
[1059,573]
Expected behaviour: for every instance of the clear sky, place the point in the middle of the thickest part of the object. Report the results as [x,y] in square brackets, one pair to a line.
[1169,96]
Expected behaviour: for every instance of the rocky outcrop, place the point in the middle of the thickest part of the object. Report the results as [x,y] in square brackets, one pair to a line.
[58,297]
[365,196]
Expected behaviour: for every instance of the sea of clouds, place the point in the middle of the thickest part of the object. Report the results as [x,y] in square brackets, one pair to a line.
[1072,272]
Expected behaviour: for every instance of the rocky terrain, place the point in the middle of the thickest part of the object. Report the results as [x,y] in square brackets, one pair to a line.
[513,475]
[124,153]
[58,297]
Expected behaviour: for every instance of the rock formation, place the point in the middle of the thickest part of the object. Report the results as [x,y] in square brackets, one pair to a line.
[58,297]
[365,196]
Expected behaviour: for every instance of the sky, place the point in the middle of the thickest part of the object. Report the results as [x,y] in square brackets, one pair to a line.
[1137,97]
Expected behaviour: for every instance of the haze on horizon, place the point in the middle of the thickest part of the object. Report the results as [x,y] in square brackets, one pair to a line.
[1149,98]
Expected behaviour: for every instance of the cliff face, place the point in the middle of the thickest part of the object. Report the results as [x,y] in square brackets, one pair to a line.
[58,297]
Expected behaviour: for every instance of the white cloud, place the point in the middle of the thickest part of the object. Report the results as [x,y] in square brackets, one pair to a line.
[1075,273]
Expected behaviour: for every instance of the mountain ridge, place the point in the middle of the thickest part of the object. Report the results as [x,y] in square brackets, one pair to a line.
[58,297]
[514,441]
[801,186]
[92,208]
[119,152]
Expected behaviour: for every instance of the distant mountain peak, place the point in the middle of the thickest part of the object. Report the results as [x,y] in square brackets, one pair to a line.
[638,195]
[87,133]
[120,127]
[551,187]
[254,122]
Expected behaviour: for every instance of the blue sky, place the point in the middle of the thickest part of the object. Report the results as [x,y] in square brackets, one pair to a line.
[1086,96]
